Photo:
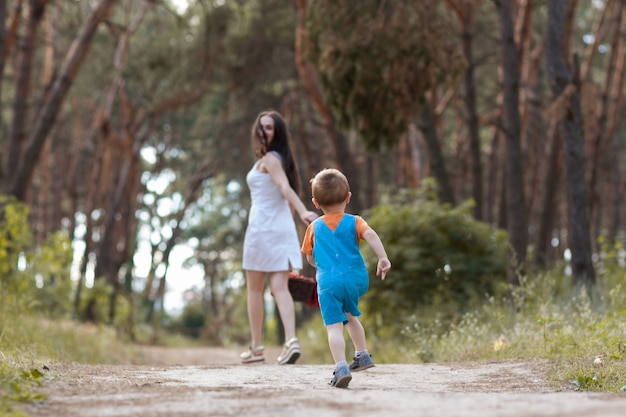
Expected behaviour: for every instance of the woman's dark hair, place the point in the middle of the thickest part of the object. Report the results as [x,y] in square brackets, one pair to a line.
[280,144]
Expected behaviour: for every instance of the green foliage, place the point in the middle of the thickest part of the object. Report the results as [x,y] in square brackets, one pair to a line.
[15,239]
[18,385]
[28,341]
[546,317]
[191,321]
[32,278]
[441,256]
[376,61]
[51,267]
[95,305]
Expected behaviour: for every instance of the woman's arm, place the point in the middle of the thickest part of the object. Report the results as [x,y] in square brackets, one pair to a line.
[274,167]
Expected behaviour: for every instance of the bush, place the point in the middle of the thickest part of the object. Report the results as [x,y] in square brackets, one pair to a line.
[32,278]
[441,256]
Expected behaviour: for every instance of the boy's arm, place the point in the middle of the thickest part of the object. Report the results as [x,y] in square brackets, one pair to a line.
[307,245]
[371,237]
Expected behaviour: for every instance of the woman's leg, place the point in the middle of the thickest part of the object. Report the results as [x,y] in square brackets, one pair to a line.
[255,281]
[280,290]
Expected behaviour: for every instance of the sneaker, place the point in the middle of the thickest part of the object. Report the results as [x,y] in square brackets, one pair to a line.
[341,377]
[252,355]
[360,363]
[290,353]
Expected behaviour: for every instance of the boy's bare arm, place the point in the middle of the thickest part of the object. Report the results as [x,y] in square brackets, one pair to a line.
[309,258]
[371,237]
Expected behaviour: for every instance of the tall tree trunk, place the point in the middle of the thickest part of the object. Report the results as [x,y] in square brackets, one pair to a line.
[18,130]
[493,167]
[426,123]
[566,89]
[3,41]
[551,176]
[466,19]
[601,138]
[612,167]
[19,180]
[614,118]
[517,223]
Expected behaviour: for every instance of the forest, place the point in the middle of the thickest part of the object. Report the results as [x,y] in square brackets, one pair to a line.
[481,138]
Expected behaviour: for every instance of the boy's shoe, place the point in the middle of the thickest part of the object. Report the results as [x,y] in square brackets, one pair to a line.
[360,363]
[341,377]
[252,355]
[290,353]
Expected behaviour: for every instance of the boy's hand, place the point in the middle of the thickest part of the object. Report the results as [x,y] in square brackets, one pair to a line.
[384,265]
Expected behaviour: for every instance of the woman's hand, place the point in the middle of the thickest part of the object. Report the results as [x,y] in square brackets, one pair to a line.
[308,216]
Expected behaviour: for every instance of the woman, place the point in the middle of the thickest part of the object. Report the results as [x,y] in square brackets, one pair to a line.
[271,245]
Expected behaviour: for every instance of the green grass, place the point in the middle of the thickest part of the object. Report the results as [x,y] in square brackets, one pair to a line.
[581,339]
[29,344]
[548,320]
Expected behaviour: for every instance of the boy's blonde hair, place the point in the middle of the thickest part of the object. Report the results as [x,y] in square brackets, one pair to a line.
[330,187]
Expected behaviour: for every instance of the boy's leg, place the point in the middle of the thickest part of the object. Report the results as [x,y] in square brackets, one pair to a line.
[336,341]
[362,359]
[341,376]
[356,332]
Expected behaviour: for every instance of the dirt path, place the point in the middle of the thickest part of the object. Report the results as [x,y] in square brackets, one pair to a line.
[210,382]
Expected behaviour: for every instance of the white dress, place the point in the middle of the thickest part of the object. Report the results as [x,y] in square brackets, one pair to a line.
[271,241]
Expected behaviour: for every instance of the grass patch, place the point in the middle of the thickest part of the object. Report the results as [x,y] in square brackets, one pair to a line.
[29,344]
[582,338]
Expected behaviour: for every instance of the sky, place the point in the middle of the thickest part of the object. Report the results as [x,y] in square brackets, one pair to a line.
[181,5]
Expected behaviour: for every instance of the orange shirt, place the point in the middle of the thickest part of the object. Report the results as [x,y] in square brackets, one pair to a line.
[332,220]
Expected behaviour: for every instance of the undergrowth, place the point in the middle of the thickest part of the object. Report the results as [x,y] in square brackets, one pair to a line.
[581,336]
[30,344]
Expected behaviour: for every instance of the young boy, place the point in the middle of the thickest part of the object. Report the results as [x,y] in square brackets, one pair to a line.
[331,245]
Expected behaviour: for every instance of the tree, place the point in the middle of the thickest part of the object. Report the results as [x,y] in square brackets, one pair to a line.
[465,12]
[517,223]
[376,62]
[565,85]
[23,157]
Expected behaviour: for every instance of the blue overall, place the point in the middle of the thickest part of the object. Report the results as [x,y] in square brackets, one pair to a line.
[341,272]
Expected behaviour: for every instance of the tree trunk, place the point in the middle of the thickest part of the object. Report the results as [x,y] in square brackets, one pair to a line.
[472,115]
[3,50]
[613,166]
[466,19]
[517,223]
[601,141]
[551,177]
[20,178]
[566,88]
[18,130]
[426,124]
[493,179]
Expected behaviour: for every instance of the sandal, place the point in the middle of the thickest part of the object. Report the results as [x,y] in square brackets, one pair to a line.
[252,355]
[290,353]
